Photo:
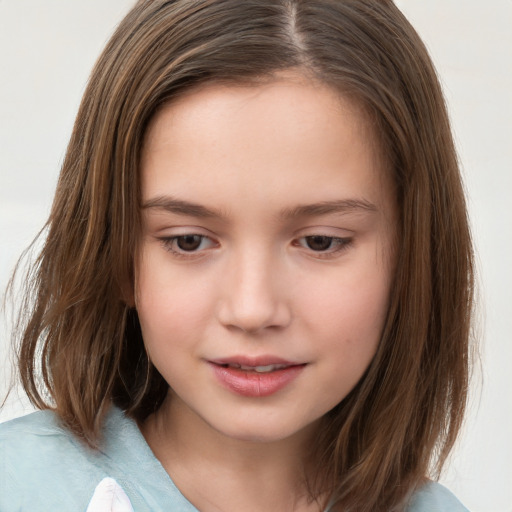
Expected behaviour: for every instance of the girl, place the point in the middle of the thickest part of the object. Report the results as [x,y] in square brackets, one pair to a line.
[256,286]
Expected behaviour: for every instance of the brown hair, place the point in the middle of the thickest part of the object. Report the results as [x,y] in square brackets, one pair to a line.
[402,418]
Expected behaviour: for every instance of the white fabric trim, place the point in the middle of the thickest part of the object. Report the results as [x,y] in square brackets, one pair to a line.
[109,497]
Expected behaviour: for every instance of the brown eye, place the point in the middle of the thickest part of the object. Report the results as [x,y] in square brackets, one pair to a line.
[319,242]
[189,243]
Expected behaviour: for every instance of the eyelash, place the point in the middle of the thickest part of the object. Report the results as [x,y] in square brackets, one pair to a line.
[336,245]
[171,244]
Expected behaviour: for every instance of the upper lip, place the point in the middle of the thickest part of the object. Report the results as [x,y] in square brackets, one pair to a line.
[265,360]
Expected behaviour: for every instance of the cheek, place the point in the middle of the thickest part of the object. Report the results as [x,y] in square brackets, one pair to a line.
[172,309]
[348,313]
[348,331]
[355,295]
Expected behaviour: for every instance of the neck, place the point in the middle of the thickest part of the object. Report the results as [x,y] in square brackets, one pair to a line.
[220,473]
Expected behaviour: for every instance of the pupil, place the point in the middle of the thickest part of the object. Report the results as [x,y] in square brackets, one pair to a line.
[189,242]
[319,243]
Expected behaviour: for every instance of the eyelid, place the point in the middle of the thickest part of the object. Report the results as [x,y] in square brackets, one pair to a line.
[169,244]
[340,245]
[338,242]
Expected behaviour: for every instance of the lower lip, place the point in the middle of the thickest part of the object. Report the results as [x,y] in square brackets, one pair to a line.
[256,384]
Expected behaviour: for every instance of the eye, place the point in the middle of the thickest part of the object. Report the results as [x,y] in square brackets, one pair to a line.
[182,245]
[319,242]
[188,243]
[324,244]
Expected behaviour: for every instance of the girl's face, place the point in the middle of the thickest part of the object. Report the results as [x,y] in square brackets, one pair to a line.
[264,276]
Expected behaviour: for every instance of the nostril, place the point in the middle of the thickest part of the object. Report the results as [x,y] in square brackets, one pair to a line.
[250,298]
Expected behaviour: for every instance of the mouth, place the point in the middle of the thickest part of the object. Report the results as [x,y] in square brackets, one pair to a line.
[258,369]
[256,377]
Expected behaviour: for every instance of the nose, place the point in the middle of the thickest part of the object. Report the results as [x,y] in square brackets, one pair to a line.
[253,295]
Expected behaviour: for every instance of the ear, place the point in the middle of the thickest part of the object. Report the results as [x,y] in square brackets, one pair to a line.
[128,293]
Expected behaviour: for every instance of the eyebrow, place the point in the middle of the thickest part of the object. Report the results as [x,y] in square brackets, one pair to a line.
[329,207]
[181,207]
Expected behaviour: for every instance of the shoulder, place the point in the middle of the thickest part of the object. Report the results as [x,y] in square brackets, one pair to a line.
[434,496]
[35,425]
[44,467]
[32,438]
[39,435]
[43,462]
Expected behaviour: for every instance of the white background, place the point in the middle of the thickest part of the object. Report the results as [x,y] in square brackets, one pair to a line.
[46,52]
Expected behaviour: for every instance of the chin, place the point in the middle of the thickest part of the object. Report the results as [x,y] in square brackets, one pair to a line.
[264,431]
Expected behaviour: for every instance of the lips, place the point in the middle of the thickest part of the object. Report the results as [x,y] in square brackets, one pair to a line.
[259,369]
[255,377]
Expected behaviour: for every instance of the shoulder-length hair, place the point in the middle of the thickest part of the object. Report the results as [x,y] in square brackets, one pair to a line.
[81,343]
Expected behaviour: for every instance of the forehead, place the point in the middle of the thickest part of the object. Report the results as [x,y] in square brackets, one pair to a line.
[292,135]
[307,96]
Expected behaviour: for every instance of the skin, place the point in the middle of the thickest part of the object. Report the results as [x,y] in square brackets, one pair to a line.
[295,216]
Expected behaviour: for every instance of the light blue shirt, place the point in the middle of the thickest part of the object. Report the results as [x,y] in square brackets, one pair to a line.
[43,467]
